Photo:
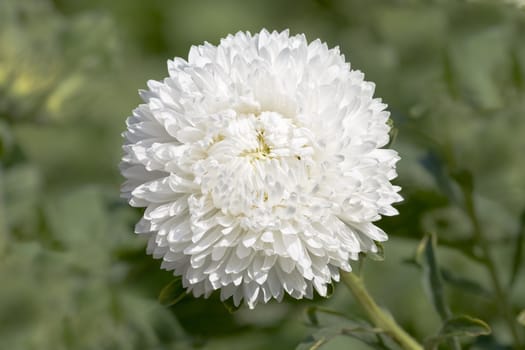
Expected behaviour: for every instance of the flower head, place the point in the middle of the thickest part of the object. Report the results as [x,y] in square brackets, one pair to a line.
[260,166]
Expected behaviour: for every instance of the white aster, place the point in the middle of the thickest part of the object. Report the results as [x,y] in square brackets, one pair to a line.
[260,166]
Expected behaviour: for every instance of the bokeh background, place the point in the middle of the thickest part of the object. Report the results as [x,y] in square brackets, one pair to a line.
[74,276]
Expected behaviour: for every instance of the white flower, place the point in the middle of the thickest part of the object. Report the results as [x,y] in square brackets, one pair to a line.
[259,164]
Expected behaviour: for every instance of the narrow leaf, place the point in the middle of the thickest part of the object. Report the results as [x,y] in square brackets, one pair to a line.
[464,326]
[465,180]
[457,327]
[453,280]
[464,284]
[172,293]
[426,257]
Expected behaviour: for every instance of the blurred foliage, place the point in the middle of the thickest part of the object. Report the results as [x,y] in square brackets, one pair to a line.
[75,277]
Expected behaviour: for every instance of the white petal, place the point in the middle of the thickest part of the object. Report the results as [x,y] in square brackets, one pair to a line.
[260,167]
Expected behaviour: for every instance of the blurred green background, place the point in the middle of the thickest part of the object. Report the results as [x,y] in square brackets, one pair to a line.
[74,276]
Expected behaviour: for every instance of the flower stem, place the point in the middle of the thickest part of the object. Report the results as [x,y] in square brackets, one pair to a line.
[379,317]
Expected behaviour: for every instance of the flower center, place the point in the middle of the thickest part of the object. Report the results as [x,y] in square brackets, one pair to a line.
[254,163]
[263,149]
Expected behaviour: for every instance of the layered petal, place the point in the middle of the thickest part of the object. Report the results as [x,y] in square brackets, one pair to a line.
[260,166]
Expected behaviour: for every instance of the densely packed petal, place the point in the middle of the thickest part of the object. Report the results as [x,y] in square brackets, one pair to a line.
[260,166]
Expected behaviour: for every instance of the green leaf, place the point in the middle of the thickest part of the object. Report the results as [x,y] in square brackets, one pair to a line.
[312,344]
[172,293]
[521,318]
[379,255]
[464,284]
[435,165]
[458,326]
[363,333]
[426,257]
[230,306]
[453,280]
[464,326]
[330,324]
[312,311]
[318,338]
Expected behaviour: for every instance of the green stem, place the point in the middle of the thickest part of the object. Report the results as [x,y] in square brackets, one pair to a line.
[491,267]
[379,317]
